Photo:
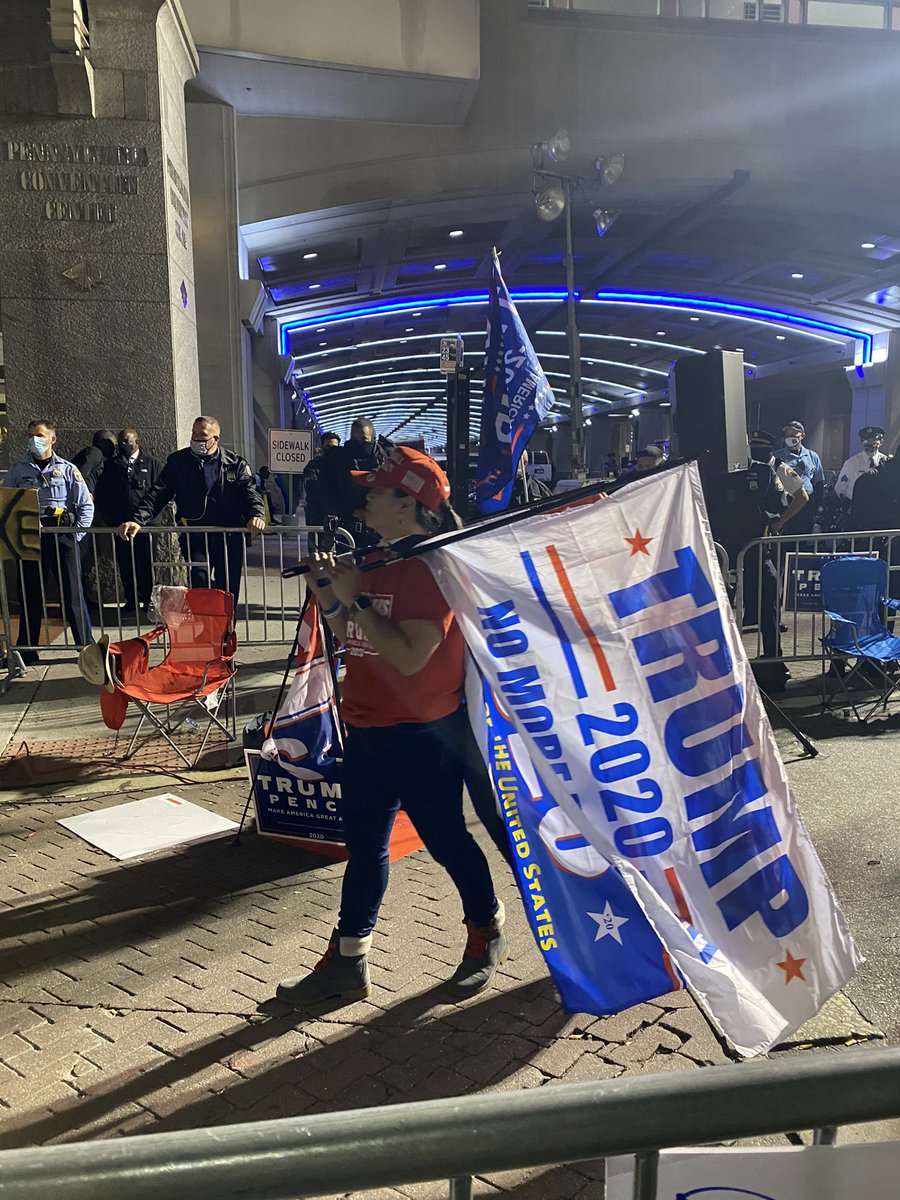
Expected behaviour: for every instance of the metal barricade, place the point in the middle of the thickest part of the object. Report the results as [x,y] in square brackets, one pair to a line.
[114,571]
[796,560]
[459,1138]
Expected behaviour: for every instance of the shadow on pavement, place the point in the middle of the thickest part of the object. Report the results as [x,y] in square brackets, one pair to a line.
[166,891]
[414,1057]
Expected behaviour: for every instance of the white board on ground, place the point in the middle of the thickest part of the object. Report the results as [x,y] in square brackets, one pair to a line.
[860,1172]
[147,826]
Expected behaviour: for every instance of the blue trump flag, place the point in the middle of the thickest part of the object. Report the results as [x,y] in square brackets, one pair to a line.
[517,397]
[576,918]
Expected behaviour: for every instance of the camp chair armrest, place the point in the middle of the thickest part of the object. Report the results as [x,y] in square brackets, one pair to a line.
[153,634]
[894,604]
[837,617]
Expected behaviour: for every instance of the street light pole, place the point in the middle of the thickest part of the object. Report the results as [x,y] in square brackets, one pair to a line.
[576,413]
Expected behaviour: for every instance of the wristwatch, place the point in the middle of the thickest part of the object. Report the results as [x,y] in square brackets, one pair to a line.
[359,603]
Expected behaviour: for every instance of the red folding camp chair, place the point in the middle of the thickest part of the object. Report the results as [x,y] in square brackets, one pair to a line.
[197,671]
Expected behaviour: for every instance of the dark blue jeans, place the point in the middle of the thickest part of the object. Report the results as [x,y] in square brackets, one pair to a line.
[418,768]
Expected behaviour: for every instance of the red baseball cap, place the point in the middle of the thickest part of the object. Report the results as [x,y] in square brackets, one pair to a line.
[409,471]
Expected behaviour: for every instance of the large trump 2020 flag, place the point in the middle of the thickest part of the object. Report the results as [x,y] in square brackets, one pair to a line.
[656,839]
[517,397]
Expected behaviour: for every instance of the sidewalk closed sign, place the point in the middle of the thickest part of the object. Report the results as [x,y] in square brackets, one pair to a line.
[289,450]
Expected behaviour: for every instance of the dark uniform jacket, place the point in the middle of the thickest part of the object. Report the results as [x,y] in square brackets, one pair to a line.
[123,485]
[337,494]
[232,499]
[90,462]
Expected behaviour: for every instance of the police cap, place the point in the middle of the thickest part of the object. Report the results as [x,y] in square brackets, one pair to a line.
[794,425]
[870,431]
[761,437]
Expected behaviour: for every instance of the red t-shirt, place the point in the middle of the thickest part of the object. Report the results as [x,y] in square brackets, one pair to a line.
[375,693]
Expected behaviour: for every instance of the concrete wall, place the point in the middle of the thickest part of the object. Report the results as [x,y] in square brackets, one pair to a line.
[96,333]
[210,127]
[437,37]
[803,109]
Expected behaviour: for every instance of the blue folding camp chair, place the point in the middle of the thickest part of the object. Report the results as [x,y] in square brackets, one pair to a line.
[854,591]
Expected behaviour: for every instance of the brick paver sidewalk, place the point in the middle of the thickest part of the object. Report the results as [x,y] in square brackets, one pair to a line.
[137,996]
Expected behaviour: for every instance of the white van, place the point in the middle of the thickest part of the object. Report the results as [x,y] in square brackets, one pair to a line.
[540,467]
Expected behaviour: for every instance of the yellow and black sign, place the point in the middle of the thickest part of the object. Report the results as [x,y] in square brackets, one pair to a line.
[20,524]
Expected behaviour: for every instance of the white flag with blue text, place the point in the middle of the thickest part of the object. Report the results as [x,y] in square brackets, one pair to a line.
[620,701]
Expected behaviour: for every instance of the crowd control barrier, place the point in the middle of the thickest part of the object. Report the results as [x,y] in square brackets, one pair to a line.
[457,1139]
[113,571]
[797,560]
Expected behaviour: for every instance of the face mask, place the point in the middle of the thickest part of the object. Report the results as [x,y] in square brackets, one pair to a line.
[201,449]
[793,442]
[761,454]
[126,449]
[37,446]
[871,448]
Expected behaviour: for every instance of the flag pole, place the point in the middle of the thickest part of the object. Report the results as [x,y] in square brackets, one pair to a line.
[544,504]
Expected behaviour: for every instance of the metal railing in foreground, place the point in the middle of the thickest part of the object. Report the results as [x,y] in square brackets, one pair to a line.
[117,579]
[474,1135]
[796,558]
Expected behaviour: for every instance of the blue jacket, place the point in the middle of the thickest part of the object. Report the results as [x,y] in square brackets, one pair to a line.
[59,484]
[807,465]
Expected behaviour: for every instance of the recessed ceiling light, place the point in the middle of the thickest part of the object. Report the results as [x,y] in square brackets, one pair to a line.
[312,254]
[456,233]
[739,349]
[321,329]
[418,314]
[660,333]
[796,274]
[323,343]
[779,337]
[313,286]
[867,245]
[632,344]
[410,329]
[695,318]
[440,266]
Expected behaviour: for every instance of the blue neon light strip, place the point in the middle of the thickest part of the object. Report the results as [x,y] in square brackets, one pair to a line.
[703,304]
[558,295]
[553,295]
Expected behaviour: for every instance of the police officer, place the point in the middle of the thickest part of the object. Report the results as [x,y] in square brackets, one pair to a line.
[93,458]
[868,459]
[63,500]
[125,481]
[807,464]
[780,495]
[210,486]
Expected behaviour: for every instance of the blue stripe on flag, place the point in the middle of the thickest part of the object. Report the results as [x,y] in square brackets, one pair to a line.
[533,578]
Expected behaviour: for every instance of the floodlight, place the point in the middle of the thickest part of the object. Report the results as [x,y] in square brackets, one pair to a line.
[603,218]
[557,149]
[610,168]
[550,203]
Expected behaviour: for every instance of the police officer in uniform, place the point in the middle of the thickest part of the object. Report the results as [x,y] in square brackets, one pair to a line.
[210,486]
[63,500]
[868,460]
[780,496]
[125,481]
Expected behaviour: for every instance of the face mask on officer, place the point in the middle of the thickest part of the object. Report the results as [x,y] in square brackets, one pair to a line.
[201,446]
[37,445]
[792,441]
[126,449]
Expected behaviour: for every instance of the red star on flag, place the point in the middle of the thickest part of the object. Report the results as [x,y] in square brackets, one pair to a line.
[639,544]
[792,968]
